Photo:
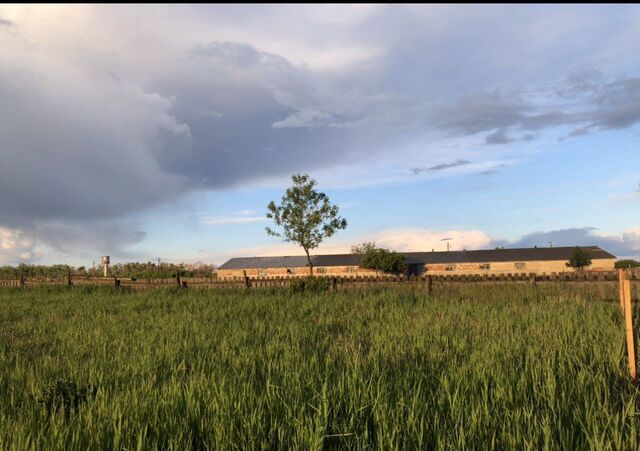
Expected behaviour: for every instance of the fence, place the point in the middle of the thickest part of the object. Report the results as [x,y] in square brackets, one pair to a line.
[605,284]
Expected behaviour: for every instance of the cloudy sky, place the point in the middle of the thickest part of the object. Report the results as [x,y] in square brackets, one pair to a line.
[164,131]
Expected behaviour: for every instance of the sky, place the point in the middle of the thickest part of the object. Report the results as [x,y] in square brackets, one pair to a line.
[145,132]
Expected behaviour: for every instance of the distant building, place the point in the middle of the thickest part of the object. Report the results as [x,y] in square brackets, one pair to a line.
[496,261]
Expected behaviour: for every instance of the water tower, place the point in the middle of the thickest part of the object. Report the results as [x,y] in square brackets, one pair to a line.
[105,265]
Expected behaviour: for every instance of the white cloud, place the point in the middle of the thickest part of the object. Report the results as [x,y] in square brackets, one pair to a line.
[631,237]
[406,239]
[418,239]
[398,239]
[111,108]
[15,246]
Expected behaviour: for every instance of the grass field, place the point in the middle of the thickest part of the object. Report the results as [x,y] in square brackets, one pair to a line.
[483,368]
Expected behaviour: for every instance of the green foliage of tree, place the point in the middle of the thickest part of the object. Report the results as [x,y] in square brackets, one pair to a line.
[380,259]
[579,258]
[41,271]
[135,270]
[627,263]
[305,215]
[363,248]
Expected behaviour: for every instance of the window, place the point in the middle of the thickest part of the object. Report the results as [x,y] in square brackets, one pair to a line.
[450,268]
[351,269]
[321,270]
[291,271]
[519,265]
[485,266]
[262,272]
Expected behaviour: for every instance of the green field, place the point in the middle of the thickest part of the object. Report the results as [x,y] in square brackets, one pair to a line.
[485,367]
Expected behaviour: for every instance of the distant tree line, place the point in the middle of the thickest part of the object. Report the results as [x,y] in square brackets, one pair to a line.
[50,271]
[136,270]
[627,263]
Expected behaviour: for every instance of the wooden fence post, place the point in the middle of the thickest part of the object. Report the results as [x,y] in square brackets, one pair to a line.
[625,302]
[429,285]
[621,277]
[246,280]
[628,319]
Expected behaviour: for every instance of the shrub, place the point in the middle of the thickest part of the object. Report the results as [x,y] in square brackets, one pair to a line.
[579,258]
[310,284]
[384,260]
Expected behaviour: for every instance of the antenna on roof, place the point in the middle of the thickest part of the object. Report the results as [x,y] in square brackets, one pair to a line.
[447,240]
[550,244]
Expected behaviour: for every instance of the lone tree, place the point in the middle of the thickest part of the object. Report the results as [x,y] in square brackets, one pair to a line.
[579,258]
[305,215]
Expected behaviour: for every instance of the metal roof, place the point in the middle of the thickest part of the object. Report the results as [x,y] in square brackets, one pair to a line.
[421,258]
[292,261]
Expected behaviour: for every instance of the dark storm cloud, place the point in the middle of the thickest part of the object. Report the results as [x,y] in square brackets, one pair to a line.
[498,137]
[628,244]
[492,170]
[99,143]
[100,147]
[94,238]
[612,105]
[619,104]
[441,167]
[479,113]
[100,128]
[251,103]
[83,150]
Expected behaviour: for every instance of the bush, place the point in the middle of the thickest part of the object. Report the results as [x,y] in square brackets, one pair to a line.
[310,285]
[579,258]
[384,260]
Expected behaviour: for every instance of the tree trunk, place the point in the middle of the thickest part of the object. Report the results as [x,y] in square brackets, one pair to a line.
[310,264]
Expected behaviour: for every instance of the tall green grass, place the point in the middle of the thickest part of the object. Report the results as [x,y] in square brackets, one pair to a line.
[482,368]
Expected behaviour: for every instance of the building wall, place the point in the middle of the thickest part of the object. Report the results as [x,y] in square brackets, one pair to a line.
[538,267]
[327,271]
